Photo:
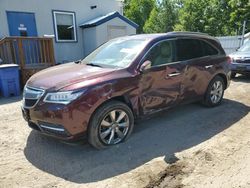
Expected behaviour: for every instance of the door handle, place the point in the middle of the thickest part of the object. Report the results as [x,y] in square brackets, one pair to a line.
[208,66]
[174,74]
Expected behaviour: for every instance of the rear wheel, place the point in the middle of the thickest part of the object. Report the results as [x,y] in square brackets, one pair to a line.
[215,92]
[111,124]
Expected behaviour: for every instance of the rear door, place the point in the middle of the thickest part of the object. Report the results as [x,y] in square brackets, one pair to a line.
[200,60]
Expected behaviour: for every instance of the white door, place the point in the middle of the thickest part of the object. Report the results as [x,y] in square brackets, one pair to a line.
[116,31]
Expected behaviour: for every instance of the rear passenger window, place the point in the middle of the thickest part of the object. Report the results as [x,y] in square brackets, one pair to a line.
[188,49]
[208,49]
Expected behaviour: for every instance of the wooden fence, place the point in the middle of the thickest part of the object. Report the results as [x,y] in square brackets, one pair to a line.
[31,54]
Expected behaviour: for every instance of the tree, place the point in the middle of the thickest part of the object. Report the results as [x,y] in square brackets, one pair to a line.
[215,17]
[192,15]
[240,13]
[139,11]
[152,24]
[162,18]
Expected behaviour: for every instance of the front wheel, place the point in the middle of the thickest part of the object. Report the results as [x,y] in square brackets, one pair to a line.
[111,124]
[215,92]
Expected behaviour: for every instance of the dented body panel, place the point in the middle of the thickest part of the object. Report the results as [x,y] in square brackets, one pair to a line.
[144,92]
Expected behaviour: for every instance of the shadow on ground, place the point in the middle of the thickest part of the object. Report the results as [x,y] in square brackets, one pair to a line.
[242,78]
[9,100]
[163,135]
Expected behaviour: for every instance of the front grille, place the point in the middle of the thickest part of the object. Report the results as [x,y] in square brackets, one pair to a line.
[31,96]
[245,61]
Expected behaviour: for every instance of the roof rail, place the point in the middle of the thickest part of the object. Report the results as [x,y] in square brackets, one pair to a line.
[189,32]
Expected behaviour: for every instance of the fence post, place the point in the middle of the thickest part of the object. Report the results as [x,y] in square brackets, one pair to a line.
[51,52]
[20,52]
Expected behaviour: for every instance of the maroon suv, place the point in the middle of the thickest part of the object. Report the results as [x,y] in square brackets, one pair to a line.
[122,80]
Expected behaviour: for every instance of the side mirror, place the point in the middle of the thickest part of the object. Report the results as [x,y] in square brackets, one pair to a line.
[145,65]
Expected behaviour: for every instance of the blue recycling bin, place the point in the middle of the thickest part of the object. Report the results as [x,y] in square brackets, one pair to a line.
[9,80]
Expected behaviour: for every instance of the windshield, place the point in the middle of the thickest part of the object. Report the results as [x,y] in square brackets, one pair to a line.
[116,53]
[245,47]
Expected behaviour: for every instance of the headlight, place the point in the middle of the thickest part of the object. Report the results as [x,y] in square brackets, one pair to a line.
[64,97]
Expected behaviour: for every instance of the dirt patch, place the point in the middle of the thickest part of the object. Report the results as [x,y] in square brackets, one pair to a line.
[171,177]
[189,146]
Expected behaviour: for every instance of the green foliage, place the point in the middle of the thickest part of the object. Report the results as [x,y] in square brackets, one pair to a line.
[139,11]
[215,17]
[162,18]
[150,25]
[240,12]
[208,16]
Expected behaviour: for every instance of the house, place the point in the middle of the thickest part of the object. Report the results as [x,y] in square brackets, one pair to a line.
[77,27]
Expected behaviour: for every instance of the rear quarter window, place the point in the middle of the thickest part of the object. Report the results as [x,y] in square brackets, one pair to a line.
[188,49]
[209,49]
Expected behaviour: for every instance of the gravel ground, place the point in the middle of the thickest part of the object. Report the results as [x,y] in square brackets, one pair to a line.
[189,146]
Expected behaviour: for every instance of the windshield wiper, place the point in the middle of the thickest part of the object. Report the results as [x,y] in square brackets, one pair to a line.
[94,65]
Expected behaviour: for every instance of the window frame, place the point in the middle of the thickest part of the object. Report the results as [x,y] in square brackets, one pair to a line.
[172,42]
[174,39]
[203,49]
[212,46]
[195,39]
[54,12]
[152,46]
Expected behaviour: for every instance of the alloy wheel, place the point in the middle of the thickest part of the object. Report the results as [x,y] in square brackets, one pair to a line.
[216,92]
[114,127]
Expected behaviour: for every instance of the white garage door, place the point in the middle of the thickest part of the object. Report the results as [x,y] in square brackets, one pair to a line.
[116,31]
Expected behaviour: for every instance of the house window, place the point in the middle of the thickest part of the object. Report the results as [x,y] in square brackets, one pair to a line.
[65,26]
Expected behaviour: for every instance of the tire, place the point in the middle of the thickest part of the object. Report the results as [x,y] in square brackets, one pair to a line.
[209,99]
[233,75]
[111,124]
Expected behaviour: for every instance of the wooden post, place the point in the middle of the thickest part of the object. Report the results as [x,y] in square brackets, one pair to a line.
[13,52]
[21,53]
[51,52]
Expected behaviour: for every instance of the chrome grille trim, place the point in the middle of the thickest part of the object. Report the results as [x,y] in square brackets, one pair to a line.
[32,93]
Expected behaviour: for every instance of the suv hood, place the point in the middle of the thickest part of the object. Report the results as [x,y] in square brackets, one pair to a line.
[239,54]
[61,76]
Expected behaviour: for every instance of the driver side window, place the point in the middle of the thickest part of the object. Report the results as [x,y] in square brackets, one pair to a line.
[161,53]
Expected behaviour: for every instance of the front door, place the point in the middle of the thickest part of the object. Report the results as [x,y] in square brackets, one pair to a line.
[21,24]
[160,85]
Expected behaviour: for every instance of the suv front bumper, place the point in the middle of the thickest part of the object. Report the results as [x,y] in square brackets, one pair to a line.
[240,68]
